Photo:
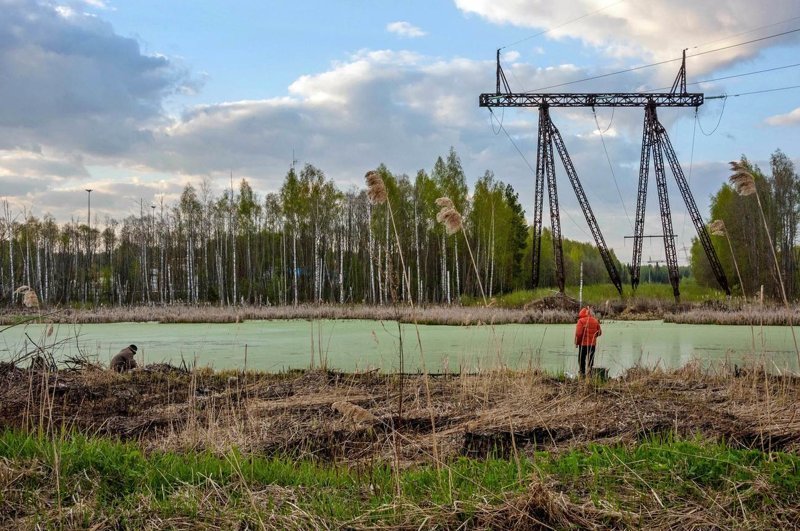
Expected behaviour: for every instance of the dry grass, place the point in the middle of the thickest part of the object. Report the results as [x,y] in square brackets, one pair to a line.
[351,420]
[353,417]
[748,315]
[446,315]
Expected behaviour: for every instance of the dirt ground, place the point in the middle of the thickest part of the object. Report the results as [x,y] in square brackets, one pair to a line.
[358,417]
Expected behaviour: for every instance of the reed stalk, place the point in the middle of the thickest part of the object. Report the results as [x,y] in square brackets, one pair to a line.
[744,183]
[377,193]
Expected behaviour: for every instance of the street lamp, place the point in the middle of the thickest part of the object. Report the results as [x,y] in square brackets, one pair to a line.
[88,217]
[153,281]
[88,237]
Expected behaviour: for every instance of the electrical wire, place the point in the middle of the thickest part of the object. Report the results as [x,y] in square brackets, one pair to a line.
[611,168]
[491,121]
[752,30]
[544,32]
[613,111]
[724,101]
[723,96]
[666,61]
[524,158]
[732,76]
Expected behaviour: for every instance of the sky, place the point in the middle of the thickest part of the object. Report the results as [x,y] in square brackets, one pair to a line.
[136,99]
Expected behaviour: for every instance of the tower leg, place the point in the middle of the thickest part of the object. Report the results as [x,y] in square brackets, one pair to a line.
[599,241]
[538,201]
[666,216]
[641,199]
[691,206]
[552,194]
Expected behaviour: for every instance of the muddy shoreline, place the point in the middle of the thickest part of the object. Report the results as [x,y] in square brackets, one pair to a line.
[355,417]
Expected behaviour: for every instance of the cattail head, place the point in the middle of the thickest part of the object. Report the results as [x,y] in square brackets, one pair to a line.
[717,227]
[376,189]
[742,180]
[448,216]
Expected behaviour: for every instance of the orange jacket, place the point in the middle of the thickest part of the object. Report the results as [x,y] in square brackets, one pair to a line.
[587,330]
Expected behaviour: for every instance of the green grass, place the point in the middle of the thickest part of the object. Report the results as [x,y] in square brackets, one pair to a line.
[118,478]
[597,294]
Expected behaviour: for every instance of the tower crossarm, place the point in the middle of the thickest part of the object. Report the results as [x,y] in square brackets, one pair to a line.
[590,99]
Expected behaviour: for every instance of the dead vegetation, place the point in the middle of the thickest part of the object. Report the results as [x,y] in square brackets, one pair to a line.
[353,417]
[445,315]
[352,421]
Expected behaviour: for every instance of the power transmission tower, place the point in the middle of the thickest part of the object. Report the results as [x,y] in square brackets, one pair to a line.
[655,144]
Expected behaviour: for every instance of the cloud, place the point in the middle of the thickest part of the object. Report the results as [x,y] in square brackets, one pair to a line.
[81,107]
[405,29]
[790,118]
[71,82]
[656,30]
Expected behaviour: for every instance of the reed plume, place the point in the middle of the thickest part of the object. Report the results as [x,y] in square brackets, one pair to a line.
[453,223]
[376,189]
[30,300]
[717,228]
[742,180]
[445,202]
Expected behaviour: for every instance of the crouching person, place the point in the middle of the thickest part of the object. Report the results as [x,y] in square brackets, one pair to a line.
[124,361]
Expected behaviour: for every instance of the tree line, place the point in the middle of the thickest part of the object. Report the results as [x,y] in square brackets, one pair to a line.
[744,241]
[309,242]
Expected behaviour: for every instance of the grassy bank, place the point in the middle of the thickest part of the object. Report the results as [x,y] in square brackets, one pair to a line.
[73,482]
[598,294]
[168,448]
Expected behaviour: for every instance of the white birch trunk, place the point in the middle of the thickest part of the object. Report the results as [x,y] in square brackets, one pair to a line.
[341,267]
[294,264]
[491,254]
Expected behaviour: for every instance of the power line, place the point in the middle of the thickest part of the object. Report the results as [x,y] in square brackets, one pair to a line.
[719,121]
[666,61]
[733,76]
[723,96]
[752,30]
[544,32]
[524,158]
[751,41]
[611,168]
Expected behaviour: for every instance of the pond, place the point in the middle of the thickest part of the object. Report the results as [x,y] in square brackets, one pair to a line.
[361,345]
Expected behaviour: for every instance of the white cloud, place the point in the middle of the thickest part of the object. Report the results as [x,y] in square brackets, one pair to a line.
[405,29]
[790,118]
[98,4]
[84,106]
[654,30]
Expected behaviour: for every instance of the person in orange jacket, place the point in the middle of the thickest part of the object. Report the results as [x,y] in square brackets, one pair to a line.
[586,333]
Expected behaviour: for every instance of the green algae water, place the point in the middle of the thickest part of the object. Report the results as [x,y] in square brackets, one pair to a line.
[350,345]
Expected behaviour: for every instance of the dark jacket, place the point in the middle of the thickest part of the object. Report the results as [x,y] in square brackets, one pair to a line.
[124,361]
